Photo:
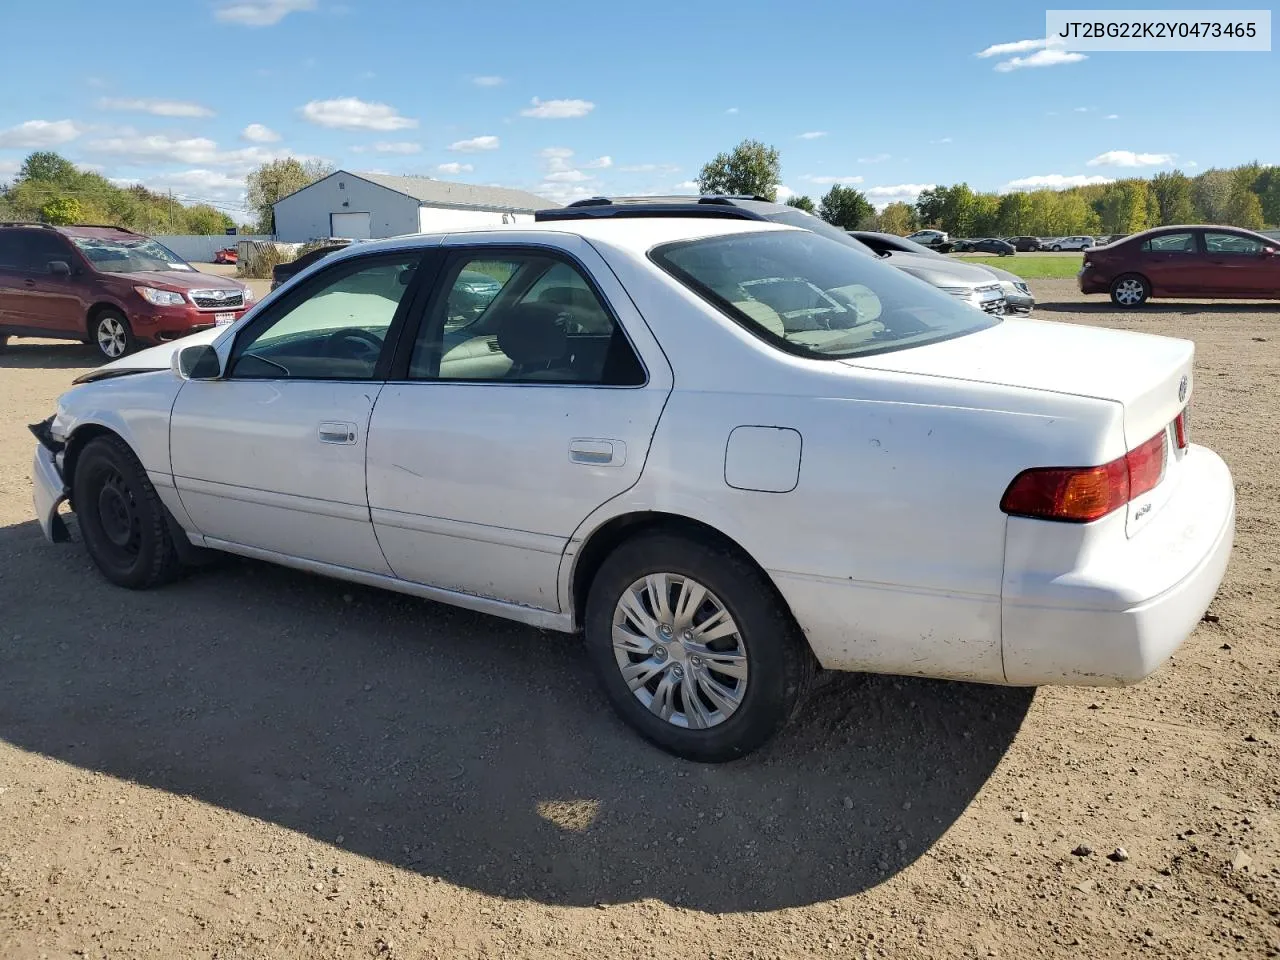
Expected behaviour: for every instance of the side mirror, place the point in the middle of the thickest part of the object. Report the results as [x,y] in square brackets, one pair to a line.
[198,362]
[60,268]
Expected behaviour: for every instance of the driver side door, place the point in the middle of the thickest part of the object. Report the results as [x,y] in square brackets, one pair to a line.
[271,455]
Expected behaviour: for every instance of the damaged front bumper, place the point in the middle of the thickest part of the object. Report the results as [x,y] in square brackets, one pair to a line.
[48,487]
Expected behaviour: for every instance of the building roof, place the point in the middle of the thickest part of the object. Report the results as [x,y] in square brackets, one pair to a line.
[444,193]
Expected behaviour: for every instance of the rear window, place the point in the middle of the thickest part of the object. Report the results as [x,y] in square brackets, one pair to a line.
[816,297]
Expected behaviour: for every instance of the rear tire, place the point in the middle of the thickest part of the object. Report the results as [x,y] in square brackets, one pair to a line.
[111,335]
[1130,291]
[718,664]
[122,520]
[4,343]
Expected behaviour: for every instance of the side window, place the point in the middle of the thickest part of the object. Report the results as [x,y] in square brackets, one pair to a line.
[12,245]
[521,318]
[1170,243]
[335,331]
[1233,244]
[43,247]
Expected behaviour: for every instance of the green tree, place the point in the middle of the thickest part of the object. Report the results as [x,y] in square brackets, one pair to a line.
[1015,214]
[958,210]
[845,207]
[1244,207]
[276,179]
[1124,207]
[899,218]
[204,219]
[1172,192]
[1267,187]
[803,203]
[1211,192]
[61,211]
[929,205]
[750,168]
[984,215]
[48,167]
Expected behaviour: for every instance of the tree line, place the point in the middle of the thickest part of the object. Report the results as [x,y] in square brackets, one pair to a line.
[1244,196]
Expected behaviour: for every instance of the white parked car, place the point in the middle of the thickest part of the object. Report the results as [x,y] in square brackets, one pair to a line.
[729,452]
[1072,243]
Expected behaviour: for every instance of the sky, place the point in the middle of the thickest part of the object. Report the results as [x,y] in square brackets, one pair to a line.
[575,99]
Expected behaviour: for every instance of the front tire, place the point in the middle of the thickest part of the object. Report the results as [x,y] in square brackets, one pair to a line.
[1057,248]
[4,343]
[122,520]
[694,647]
[112,335]
[1130,291]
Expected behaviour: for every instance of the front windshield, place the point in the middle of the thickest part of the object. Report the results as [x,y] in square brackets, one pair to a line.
[807,221]
[129,256]
[815,297]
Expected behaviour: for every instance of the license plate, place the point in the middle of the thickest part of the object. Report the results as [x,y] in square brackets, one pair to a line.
[222,319]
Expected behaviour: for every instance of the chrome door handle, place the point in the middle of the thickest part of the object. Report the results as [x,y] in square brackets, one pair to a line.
[335,431]
[600,453]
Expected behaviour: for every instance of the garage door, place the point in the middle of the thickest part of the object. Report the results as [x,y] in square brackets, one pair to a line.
[349,226]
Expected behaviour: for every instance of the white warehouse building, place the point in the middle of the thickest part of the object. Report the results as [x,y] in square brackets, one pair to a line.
[370,206]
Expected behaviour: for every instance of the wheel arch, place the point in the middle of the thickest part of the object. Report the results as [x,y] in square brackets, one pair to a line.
[608,535]
[95,310]
[79,439]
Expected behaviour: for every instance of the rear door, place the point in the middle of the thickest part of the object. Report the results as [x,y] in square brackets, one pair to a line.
[12,261]
[1173,263]
[518,408]
[51,300]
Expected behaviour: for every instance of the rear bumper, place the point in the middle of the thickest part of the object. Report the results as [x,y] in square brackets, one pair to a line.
[1121,613]
[48,492]
[1090,282]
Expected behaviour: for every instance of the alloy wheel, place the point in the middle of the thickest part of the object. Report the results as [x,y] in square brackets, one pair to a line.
[112,337]
[1129,292]
[680,651]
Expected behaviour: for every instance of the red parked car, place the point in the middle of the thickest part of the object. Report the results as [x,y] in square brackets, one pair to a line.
[1193,261]
[107,286]
[226,255]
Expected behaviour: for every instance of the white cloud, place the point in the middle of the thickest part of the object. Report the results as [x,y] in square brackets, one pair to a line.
[352,113]
[564,192]
[599,163]
[1017,46]
[488,81]
[1080,109]
[158,148]
[566,176]
[732,110]
[475,144]
[257,133]
[1191,164]
[454,167]
[7,169]
[260,13]
[830,180]
[557,109]
[881,197]
[650,168]
[941,140]
[383,146]
[1049,57]
[877,158]
[688,185]
[40,134]
[812,135]
[158,108]
[1127,158]
[555,153]
[1055,181]
[1113,116]
[785,193]
[200,184]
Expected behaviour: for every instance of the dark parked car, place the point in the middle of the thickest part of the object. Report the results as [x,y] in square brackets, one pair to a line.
[106,286]
[1026,244]
[985,245]
[1194,261]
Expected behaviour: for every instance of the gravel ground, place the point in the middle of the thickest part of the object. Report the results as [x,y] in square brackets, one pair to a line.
[259,763]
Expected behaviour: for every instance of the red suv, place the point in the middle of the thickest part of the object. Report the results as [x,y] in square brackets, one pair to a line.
[106,286]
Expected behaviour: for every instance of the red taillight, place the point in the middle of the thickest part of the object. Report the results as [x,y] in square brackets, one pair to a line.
[1084,494]
[1180,431]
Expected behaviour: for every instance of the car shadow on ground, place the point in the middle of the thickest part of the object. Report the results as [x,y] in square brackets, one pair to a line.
[48,355]
[466,747]
[1104,305]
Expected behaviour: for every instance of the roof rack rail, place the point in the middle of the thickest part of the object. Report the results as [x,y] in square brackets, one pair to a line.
[106,226]
[26,223]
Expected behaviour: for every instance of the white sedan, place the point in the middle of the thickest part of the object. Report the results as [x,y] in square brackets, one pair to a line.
[731,453]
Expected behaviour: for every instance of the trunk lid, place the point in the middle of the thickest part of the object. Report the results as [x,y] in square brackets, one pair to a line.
[1149,376]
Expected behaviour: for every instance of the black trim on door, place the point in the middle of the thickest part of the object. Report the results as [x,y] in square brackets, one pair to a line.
[423,279]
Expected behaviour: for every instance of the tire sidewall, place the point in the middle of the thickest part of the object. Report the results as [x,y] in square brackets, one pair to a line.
[129,343]
[97,456]
[775,680]
[1146,290]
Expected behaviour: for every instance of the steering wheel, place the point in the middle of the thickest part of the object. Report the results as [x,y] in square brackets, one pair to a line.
[369,344]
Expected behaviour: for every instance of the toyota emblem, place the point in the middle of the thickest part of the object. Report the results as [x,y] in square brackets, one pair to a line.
[1182,389]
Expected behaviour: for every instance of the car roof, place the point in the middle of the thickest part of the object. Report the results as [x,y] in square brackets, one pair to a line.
[100,232]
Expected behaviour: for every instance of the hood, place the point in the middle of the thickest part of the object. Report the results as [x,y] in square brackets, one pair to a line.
[1149,376]
[152,358]
[181,280]
[939,272]
[1001,274]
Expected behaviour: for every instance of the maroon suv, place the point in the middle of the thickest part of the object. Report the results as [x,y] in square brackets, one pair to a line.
[106,286]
